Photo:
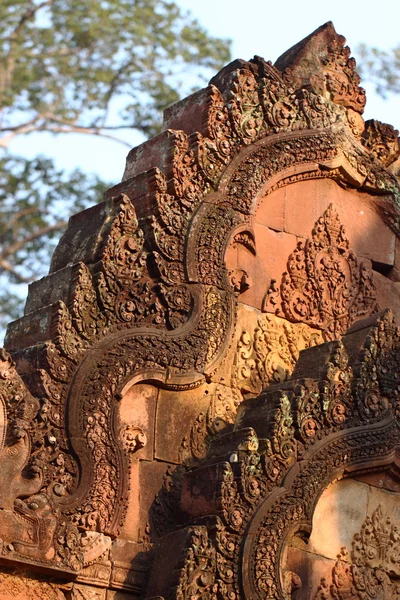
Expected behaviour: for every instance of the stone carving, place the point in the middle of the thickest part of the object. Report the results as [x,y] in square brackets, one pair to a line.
[23,588]
[166,503]
[382,140]
[323,62]
[221,414]
[378,545]
[215,148]
[245,110]
[325,285]
[269,354]
[265,162]
[15,445]
[210,243]
[271,434]
[198,578]
[150,298]
[135,265]
[372,568]
[133,438]
[31,528]
[83,592]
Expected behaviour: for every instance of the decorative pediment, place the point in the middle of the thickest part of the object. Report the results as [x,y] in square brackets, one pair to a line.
[143,372]
[323,62]
[295,438]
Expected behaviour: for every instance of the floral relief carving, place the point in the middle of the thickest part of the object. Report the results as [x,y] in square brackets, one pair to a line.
[325,286]
[378,543]
[215,148]
[269,353]
[198,578]
[23,588]
[156,300]
[373,566]
[382,140]
[341,78]
[296,420]
[245,110]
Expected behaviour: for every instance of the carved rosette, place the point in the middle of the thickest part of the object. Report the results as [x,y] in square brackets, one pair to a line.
[372,568]
[156,302]
[286,446]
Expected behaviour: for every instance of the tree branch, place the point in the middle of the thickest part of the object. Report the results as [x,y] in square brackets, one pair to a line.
[13,248]
[65,127]
[28,15]
[87,131]
[18,215]
[6,266]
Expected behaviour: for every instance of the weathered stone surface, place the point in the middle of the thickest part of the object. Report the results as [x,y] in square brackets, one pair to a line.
[339,514]
[173,426]
[369,236]
[205,397]
[273,249]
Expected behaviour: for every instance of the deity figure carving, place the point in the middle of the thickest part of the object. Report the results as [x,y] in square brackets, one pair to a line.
[168,428]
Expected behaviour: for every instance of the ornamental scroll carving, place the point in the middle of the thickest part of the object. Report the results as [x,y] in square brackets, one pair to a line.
[372,568]
[269,353]
[325,285]
[152,301]
[306,433]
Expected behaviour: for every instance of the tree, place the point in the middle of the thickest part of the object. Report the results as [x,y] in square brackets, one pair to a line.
[32,213]
[381,67]
[92,67]
[65,62]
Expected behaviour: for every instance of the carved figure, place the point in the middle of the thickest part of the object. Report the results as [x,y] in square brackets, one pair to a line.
[147,288]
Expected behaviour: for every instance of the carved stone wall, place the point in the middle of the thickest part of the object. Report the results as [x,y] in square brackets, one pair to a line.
[353,550]
[204,359]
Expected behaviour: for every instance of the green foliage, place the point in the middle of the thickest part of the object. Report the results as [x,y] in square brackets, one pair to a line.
[92,67]
[64,62]
[36,200]
[380,67]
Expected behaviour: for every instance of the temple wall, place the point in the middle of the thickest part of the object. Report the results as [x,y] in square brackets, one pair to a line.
[353,533]
[201,399]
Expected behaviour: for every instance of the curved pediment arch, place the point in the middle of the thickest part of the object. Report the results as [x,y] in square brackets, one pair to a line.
[262,481]
[185,282]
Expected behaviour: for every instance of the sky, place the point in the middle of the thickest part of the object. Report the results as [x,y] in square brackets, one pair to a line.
[259,27]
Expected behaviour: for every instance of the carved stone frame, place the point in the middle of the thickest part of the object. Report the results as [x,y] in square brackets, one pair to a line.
[289,510]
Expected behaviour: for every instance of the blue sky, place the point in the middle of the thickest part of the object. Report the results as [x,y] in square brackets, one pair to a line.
[262,27]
